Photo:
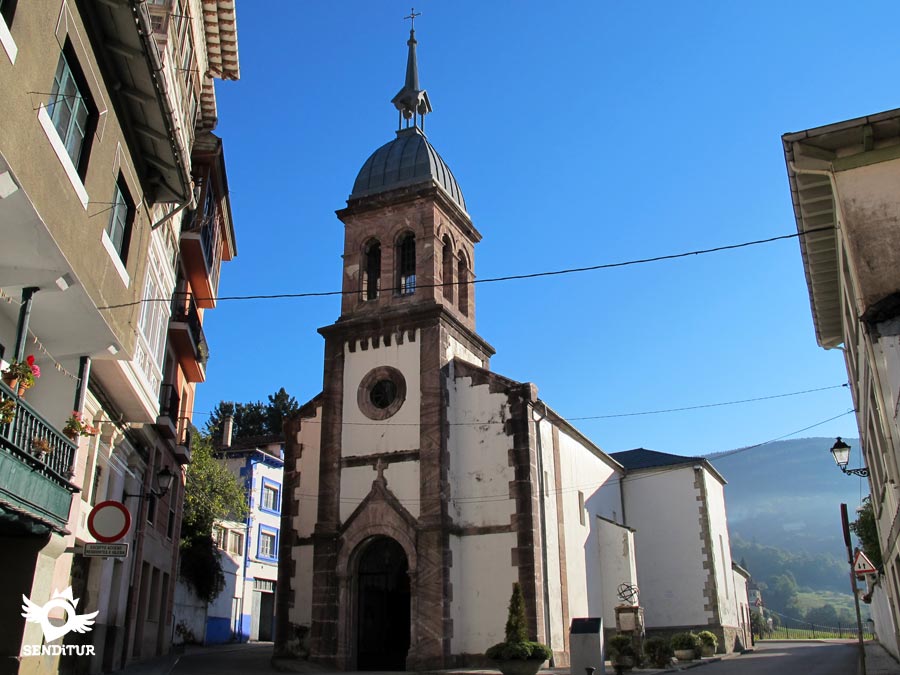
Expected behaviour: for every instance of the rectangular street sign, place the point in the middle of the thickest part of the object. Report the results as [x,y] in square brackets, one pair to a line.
[97,550]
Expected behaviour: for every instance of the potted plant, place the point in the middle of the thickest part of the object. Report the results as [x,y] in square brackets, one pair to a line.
[517,655]
[7,410]
[686,646]
[76,427]
[708,642]
[20,375]
[40,447]
[621,653]
[659,651]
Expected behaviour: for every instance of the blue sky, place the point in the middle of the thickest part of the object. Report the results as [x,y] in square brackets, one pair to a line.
[581,133]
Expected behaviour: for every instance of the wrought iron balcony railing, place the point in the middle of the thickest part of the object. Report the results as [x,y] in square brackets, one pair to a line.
[36,482]
[169,401]
[184,310]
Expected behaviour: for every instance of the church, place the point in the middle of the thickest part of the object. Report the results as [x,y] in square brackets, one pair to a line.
[419,485]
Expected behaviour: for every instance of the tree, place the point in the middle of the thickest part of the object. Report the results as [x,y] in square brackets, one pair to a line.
[865,530]
[826,615]
[782,592]
[211,493]
[253,418]
[281,405]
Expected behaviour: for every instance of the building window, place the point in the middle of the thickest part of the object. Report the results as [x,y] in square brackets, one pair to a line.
[462,278]
[218,534]
[268,545]
[581,518]
[381,393]
[121,216]
[447,260]
[372,274]
[151,508]
[270,501]
[236,542]
[406,257]
[7,10]
[70,108]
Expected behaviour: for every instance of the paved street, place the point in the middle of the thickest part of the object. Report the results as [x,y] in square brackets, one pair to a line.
[769,658]
[777,658]
[225,660]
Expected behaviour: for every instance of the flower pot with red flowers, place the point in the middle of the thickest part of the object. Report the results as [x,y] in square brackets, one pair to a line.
[20,375]
[76,426]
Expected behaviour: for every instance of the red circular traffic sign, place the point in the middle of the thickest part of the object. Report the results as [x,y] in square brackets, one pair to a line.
[109,521]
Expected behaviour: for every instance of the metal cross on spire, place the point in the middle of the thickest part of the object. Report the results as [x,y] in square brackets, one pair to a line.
[412,102]
[412,18]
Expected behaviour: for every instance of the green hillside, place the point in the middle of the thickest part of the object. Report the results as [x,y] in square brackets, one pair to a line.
[783,501]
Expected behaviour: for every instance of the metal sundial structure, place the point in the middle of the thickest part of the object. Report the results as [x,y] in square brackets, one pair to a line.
[628,593]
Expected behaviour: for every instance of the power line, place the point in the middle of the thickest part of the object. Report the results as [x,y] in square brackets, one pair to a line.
[511,277]
[383,424]
[500,497]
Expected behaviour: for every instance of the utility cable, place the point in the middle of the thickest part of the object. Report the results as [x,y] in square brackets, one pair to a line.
[511,277]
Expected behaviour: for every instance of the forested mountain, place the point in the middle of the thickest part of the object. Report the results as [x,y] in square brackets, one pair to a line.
[783,502]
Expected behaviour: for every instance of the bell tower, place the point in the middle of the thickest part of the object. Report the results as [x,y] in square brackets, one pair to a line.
[407,311]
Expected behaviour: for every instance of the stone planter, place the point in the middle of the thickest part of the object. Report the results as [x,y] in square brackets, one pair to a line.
[519,666]
[684,654]
[707,650]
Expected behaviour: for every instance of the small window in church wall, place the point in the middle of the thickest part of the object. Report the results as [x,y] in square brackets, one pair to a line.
[447,259]
[406,257]
[372,271]
[463,281]
[581,507]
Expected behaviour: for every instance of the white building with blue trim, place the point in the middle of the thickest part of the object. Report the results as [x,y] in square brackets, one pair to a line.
[245,609]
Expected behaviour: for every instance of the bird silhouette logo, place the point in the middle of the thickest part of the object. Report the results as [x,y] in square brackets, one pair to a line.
[79,623]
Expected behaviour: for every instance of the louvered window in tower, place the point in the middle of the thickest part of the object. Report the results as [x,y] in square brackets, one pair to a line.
[372,274]
[407,268]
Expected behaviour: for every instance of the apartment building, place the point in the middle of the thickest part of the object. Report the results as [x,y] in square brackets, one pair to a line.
[114,222]
[843,179]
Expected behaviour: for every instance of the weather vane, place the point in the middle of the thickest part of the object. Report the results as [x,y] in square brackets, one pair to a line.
[412,18]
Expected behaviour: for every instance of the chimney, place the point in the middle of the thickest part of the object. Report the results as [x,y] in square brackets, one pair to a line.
[227,430]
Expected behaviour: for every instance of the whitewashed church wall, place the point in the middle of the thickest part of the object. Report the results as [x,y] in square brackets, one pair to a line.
[582,471]
[306,487]
[363,436]
[402,480]
[479,471]
[611,553]
[718,528]
[556,640]
[663,510]
[456,349]
[482,576]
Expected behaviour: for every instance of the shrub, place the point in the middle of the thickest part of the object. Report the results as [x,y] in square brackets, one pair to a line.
[708,639]
[686,641]
[517,646]
[659,651]
[620,645]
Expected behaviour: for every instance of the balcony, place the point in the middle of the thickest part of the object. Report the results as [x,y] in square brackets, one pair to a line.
[169,405]
[183,446]
[38,489]
[186,335]
[201,251]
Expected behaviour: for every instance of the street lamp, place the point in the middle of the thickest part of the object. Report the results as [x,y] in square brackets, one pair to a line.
[841,453]
[164,478]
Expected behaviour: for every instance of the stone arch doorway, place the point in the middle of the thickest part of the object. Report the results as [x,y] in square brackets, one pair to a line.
[383,606]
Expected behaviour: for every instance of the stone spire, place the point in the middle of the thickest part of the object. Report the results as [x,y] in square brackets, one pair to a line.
[411,101]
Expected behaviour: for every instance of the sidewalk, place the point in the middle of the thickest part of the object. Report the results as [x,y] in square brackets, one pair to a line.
[879,661]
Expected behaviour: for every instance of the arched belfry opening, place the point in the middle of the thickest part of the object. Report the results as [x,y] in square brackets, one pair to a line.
[383,606]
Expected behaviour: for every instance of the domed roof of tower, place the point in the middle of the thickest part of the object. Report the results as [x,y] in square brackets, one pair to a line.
[406,161]
[409,159]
